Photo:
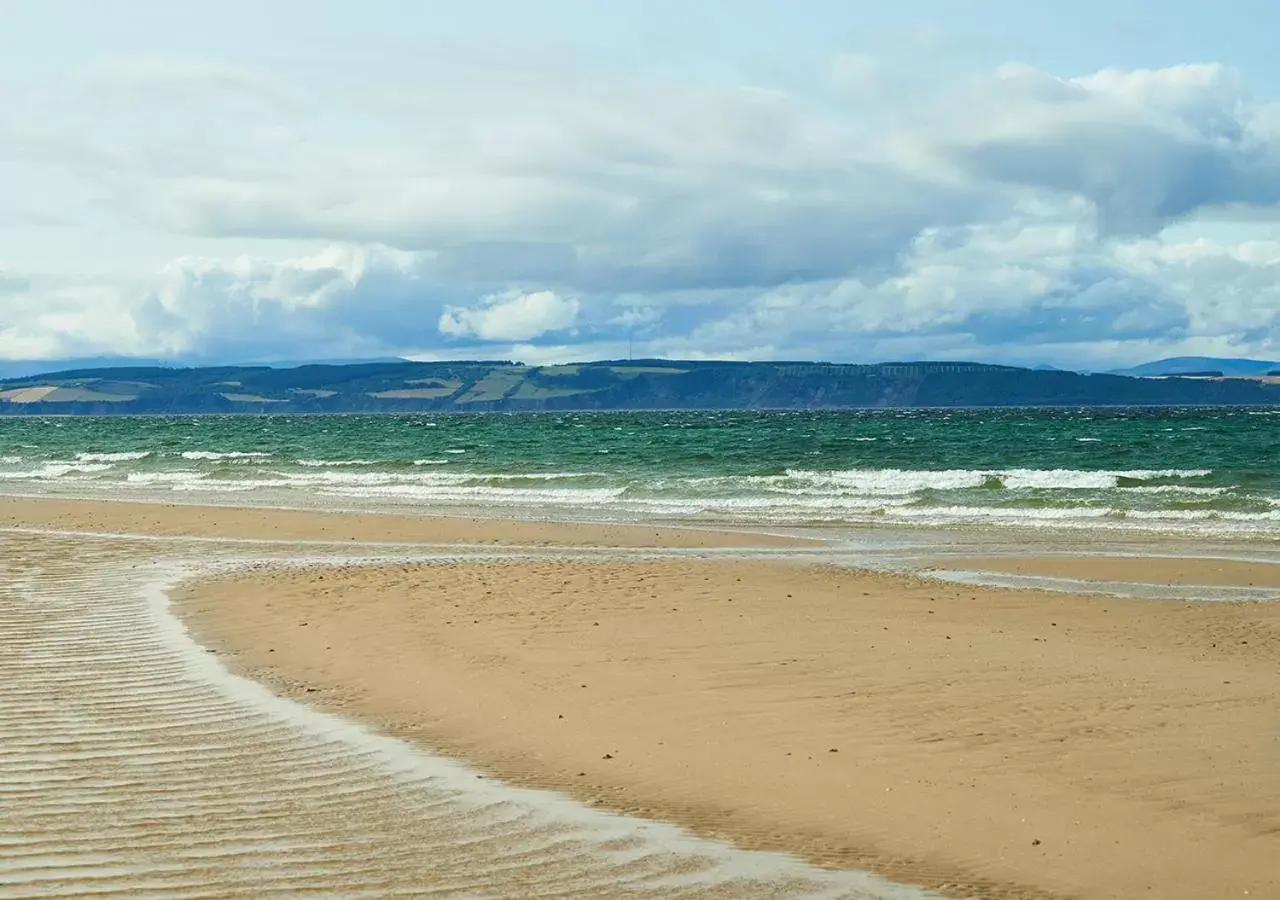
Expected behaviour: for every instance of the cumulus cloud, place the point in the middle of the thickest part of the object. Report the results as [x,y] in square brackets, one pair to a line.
[1146,147]
[1021,216]
[513,316]
[1024,293]
[43,317]
[605,184]
[341,300]
[1231,293]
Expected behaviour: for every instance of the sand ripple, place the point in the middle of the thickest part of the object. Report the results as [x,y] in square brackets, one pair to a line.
[133,765]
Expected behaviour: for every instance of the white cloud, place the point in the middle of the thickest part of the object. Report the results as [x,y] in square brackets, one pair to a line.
[43,318]
[1231,293]
[513,316]
[1146,147]
[1020,216]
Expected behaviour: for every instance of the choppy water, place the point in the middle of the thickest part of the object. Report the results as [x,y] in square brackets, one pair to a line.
[133,765]
[1191,470]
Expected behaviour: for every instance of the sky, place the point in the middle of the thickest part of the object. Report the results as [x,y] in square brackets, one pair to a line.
[1087,184]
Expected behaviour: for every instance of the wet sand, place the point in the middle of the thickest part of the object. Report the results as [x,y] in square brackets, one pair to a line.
[1156,570]
[241,523]
[983,742]
[133,766]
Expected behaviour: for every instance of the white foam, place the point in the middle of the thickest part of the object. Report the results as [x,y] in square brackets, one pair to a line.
[232,454]
[1061,479]
[327,463]
[995,513]
[890,482]
[127,456]
[1183,489]
[1199,514]
[215,487]
[407,478]
[57,469]
[180,477]
[478,494]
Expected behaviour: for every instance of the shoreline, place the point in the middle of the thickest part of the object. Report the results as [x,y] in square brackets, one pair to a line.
[1208,571]
[336,526]
[989,742]
[1082,540]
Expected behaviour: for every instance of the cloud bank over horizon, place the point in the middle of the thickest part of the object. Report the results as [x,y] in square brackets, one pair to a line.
[187,207]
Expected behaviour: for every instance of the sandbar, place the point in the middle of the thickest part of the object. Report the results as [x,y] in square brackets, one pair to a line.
[982,742]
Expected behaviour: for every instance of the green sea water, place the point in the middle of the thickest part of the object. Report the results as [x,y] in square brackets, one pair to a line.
[1184,470]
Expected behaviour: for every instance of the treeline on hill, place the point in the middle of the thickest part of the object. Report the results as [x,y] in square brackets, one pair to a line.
[482,385]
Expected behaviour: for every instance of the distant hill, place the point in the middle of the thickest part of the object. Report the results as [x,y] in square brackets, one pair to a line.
[486,385]
[334,361]
[21,368]
[1187,365]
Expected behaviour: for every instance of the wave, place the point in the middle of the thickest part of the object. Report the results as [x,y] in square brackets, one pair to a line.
[54,470]
[480,493]
[887,482]
[994,513]
[183,477]
[1033,497]
[891,482]
[326,463]
[1200,514]
[231,454]
[321,478]
[1183,489]
[1084,479]
[979,514]
[127,456]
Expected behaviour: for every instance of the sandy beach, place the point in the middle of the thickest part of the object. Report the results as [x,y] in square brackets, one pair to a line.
[978,741]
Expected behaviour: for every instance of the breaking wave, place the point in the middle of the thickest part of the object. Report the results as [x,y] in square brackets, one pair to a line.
[1123,469]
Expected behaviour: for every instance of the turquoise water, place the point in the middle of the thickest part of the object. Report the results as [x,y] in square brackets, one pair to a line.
[1187,470]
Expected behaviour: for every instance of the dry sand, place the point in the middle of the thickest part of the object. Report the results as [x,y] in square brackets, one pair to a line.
[996,743]
[991,743]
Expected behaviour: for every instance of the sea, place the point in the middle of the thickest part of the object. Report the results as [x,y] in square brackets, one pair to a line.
[1189,471]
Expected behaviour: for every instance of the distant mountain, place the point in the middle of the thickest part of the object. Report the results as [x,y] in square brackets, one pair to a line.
[485,386]
[336,361]
[1184,365]
[21,368]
